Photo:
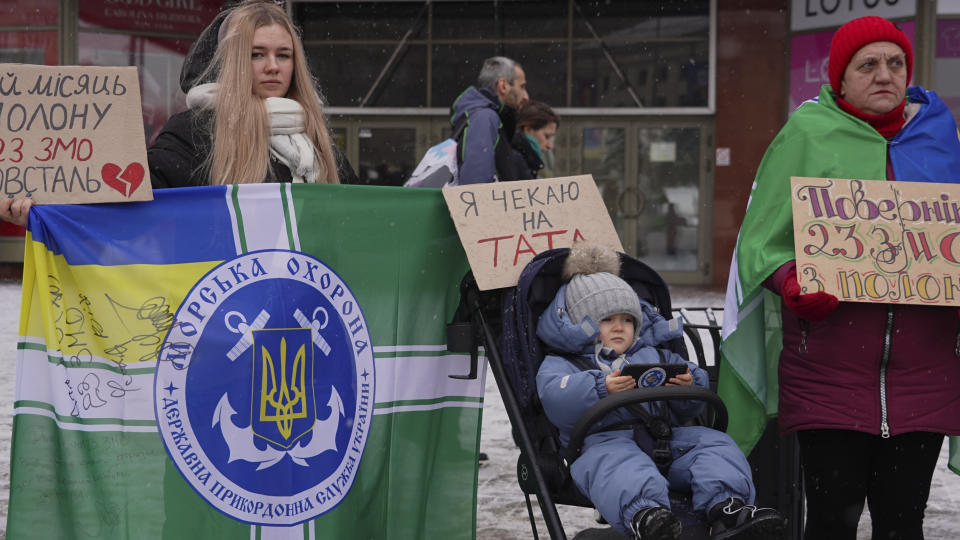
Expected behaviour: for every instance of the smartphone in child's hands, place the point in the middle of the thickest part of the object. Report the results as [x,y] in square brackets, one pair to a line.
[650,375]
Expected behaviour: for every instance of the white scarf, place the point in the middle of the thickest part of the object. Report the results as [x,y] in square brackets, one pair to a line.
[288,141]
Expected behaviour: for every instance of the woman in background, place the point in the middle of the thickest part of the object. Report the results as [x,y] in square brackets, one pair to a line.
[536,128]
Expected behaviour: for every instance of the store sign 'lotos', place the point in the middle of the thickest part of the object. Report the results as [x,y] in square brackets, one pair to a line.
[808,14]
[72,134]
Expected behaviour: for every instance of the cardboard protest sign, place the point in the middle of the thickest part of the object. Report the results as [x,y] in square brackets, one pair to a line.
[503,225]
[72,134]
[876,241]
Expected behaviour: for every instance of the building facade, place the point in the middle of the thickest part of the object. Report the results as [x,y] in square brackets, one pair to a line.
[668,104]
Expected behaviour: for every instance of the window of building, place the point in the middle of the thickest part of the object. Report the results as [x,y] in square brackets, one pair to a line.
[154,37]
[29,33]
[947,64]
[29,36]
[578,54]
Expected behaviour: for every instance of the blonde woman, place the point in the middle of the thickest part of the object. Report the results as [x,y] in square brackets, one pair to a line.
[260,121]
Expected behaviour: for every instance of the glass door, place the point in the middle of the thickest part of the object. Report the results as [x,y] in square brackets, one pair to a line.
[603,155]
[655,181]
[667,197]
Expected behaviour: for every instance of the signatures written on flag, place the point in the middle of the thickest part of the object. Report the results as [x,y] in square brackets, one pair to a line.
[97,350]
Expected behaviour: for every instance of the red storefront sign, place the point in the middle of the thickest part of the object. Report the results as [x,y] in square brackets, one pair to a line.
[173,16]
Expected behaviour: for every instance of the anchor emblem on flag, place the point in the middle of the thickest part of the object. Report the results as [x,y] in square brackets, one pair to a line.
[283,411]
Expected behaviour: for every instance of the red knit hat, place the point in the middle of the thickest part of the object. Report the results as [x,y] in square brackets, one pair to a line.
[850,37]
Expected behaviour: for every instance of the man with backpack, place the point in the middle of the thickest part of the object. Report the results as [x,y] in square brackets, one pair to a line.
[484,116]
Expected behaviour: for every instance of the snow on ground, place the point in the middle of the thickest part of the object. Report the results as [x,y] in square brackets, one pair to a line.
[501,511]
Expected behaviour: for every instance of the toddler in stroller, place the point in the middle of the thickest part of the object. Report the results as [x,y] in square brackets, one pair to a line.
[595,327]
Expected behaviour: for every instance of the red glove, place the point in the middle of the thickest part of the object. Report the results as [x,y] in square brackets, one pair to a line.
[813,306]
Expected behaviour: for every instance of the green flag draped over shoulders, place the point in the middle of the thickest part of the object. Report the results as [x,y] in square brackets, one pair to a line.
[819,140]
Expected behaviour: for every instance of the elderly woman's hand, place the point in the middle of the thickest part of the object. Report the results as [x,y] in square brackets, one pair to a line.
[15,210]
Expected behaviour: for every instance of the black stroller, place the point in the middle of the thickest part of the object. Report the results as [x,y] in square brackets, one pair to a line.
[516,354]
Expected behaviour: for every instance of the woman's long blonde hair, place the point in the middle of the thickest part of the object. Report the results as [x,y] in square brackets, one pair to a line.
[241,130]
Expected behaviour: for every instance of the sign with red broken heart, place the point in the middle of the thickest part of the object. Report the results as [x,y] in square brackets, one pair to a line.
[72,134]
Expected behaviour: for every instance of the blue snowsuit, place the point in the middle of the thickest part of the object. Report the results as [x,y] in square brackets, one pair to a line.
[612,471]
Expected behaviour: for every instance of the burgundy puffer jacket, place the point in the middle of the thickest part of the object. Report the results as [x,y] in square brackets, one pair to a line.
[877,368]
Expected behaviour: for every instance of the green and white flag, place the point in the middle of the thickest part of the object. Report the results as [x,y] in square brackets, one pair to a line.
[244,362]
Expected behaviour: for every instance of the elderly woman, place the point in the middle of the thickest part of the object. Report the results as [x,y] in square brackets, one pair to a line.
[869,389]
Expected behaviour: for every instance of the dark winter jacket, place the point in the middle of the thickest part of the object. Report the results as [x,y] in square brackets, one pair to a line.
[177,157]
[485,151]
[531,155]
[846,373]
